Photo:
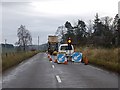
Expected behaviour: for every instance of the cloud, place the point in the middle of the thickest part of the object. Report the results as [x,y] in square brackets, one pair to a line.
[42,18]
[13,17]
[119,8]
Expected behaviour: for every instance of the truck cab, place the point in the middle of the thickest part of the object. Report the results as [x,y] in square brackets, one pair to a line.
[65,48]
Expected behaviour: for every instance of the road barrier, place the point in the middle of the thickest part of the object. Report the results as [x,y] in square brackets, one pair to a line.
[61,58]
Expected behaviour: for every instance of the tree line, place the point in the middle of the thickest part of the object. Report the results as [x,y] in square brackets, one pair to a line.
[103,32]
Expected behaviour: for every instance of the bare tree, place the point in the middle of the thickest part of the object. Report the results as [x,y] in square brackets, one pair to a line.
[61,30]
[90,27]
[107,20]
[24,37]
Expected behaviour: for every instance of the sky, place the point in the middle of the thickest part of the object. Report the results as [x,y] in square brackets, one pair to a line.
[43,17]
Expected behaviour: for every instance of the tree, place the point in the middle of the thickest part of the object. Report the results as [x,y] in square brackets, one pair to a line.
[98,27]
[24,37]
[118,31]
[80,32]
[106,20]
[61,30]
[102,32]
[115,22]
[115,29]
[98,33]
[90,28]
[107,32]
[68,25]
[89,32]
[70,32]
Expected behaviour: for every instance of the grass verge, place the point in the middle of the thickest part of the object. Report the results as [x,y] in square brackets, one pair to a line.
[105,58]
[15,58]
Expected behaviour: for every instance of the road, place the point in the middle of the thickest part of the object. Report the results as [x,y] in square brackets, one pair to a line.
[39,72]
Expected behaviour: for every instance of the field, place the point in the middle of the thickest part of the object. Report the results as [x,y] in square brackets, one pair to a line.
[12,59]
[104,58]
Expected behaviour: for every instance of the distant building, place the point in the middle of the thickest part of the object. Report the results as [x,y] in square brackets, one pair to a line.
[6,48]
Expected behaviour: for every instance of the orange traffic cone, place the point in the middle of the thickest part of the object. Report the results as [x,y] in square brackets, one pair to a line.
[55,59]
[86,60]
[50,59]
[66,62]
[48,55]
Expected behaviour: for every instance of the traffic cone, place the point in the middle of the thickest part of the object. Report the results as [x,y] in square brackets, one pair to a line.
[65,62]
[86,60]
[55,59]
[50,59]
[48,55]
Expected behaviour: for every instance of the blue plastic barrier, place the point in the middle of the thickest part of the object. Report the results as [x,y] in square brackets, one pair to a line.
[77,57]
[61,58]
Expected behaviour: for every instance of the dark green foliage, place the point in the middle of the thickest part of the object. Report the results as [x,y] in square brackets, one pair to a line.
[118,30]
[68,25]
[77,33]
[70,32]
[98,26]
[80,32]
[102,33]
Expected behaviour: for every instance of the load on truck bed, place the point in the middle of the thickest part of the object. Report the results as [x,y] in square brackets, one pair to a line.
[52,44]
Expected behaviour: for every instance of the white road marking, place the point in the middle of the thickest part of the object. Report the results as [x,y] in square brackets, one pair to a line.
[45,57]
[58,79]
[53,66]
[99,69]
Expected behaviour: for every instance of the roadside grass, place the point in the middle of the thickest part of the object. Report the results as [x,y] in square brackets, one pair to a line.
[13,59]
[105,58]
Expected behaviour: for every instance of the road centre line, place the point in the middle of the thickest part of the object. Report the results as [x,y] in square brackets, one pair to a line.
[58,79]
[53,66]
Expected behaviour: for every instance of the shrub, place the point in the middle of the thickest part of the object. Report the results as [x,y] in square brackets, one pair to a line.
[105,58]
[15,58]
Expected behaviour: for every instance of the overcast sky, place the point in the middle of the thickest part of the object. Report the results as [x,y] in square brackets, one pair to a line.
[43,17]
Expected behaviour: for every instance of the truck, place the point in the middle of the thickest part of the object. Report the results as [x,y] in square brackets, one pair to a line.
[52,44]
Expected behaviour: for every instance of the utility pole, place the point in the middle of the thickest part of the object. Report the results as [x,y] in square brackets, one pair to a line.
[5,47]
[38,43]
[5,41]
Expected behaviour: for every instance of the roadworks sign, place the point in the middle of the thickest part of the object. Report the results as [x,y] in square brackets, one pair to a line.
[61,58]
[77,57]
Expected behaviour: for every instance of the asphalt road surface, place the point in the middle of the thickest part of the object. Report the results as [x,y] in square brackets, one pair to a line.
[39,72]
